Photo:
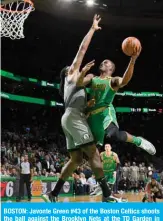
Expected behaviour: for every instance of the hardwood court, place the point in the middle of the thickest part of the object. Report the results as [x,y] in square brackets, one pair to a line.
[131,198]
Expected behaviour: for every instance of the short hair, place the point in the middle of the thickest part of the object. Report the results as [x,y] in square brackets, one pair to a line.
[63,72]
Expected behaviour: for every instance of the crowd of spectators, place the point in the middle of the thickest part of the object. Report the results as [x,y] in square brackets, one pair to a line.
[48,158]
[29,129]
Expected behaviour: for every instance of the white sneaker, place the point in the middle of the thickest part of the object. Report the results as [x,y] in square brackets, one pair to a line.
[147,146]
[119,200]
[48,197]
[97,191]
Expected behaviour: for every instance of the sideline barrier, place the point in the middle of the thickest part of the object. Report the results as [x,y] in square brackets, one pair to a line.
[56,86]
[40,101]
[40,185]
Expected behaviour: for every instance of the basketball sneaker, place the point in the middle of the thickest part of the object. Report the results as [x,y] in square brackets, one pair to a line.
[147,146]
[49,198]
[97,191]
[112,199]
[109,199]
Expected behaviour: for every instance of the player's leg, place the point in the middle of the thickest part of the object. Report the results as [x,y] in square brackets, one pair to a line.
[98,191]
[76,157]
[145,198]
[96,166]
[158,195]
[75,160]
[113,133]
[85,141]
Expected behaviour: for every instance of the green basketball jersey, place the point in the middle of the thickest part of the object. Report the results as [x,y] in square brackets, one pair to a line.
[102,92]
[109,163]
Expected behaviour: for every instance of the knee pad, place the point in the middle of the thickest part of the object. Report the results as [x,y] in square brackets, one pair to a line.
[111,133]
[116,135]
[122,136]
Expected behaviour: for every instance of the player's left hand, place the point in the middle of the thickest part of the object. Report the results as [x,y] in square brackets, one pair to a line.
[96,21]
[137,51]
[88,66]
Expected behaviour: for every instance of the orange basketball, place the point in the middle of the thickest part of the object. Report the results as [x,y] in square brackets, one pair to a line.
[129,44]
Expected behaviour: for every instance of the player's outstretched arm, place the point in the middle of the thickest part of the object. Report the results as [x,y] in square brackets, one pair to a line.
[81,79]
[118,82]
[84,45]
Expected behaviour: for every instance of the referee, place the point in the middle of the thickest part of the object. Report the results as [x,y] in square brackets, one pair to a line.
[26,173]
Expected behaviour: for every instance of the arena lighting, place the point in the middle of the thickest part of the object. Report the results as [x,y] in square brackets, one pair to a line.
[90,2]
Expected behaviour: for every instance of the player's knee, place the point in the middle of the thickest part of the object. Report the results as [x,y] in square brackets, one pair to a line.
[113,134]
[122,136]
[117,135]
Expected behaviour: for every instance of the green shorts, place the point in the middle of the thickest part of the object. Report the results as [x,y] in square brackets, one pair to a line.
[100,121]
[109,177]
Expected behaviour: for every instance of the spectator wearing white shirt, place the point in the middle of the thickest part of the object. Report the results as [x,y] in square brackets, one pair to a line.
[92,183]
[3,149]
[84,183]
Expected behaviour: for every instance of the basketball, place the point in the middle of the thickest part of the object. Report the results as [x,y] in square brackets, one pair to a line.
[129,44]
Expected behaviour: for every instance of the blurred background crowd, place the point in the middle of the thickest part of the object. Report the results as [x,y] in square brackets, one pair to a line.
[46,150]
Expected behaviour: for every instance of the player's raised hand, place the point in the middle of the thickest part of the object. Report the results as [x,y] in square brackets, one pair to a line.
[137,51]
[88,66]
[96,21]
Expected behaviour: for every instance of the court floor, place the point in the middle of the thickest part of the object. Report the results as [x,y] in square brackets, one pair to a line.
[131,198]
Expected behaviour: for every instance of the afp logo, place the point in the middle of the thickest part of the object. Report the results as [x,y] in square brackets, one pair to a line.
[66,187]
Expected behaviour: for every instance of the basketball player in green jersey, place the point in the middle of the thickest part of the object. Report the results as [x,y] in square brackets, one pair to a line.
[101,113]
[110,161]
[111,164]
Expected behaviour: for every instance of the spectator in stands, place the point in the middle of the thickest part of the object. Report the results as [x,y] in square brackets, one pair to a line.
[134,176]
[13,172]
[126,171]
[92,183]
[142,176]
[3,149]
[79,170]
[84,183]
[52,167]
[46,163]
[3,172]
[78,187]
[44,173]
[87,171]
